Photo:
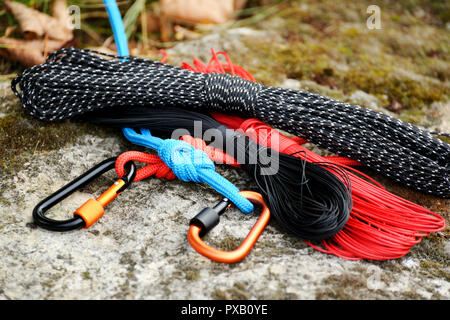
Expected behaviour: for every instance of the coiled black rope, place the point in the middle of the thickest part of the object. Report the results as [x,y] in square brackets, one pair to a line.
[307,200]
[74,81]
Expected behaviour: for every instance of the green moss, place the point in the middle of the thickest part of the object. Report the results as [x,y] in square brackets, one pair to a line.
[271,249]
[48,284]
[225,244]
[86,275]
[410,70]
[344,287]
[382,80]
[21,136]
[218,294]
[437,10]
[435,269]
[127,259]
[237,292]
[345,281]
[411,295]
[191,273]
[413,116]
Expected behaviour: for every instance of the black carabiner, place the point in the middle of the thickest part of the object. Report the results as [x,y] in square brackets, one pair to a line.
[77,221]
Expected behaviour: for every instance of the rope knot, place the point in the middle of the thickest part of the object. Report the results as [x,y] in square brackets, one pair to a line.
[185,161]
[234,94]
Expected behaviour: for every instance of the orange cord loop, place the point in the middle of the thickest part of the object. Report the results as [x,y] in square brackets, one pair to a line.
[208,218]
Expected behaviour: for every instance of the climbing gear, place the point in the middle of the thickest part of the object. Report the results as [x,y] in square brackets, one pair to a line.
[369,234]
[307,200]
[208,218]
[434,187]
[189,164]
[91,210]
[381,225]
[74,82]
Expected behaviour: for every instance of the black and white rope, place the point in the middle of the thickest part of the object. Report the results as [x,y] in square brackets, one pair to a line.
[74,81]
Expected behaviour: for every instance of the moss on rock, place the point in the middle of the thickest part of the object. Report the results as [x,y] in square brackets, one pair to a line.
[21,136]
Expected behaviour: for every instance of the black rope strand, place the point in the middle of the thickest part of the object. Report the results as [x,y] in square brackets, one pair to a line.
[74,81]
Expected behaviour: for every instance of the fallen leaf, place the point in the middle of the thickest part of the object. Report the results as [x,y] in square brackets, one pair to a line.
[61,13]
[152,22]
[198,11]
[43,33]
[35,24]
[239,4]
[185,34]
[28,52]
[31,28]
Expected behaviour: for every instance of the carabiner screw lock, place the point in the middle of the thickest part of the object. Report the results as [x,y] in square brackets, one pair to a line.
[208,218]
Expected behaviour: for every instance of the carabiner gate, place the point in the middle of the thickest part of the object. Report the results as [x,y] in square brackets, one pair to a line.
[91,210]
[208,218]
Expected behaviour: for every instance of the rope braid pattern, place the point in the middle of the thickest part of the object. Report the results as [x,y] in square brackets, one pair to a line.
[74,81]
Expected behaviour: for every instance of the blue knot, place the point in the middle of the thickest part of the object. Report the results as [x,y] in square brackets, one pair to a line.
[185,161]
[189,164]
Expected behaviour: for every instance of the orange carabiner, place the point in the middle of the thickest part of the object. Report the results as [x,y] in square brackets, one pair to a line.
[209,218]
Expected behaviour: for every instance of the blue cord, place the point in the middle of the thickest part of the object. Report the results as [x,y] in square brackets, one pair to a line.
[115,19]
[189,164]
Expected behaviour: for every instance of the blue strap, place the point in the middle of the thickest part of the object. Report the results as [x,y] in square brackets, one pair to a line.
[189,164]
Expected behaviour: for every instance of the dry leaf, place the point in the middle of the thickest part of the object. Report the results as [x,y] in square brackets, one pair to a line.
[239,4]
[61,13]
[198,11]
[152,22]
[185,34]
[31,28]
[35,24]
[44,33]
[28,52]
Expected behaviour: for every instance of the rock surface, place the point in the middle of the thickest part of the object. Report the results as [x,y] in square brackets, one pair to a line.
[138,250]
